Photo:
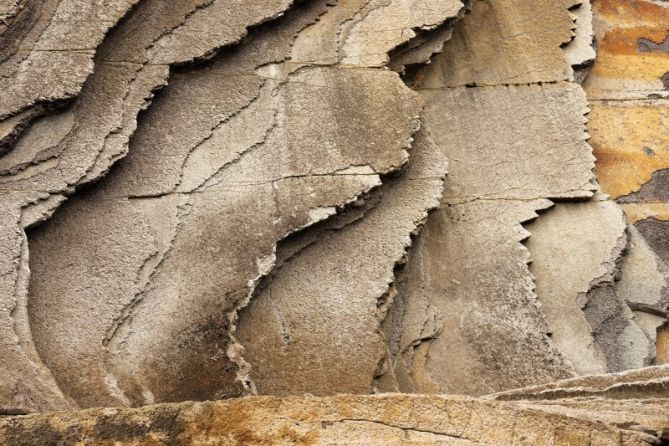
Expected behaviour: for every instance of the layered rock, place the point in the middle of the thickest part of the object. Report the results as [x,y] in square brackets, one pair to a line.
[80,143]
[47,54]
[628,97]
[475,318]
[341,420]
[468,309]
[231,158]
[333,284]
[223,199]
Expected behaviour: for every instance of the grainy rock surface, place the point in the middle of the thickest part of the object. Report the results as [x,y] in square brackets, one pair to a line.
[213,199]
[342,420]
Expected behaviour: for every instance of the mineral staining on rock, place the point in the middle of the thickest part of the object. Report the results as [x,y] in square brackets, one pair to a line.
[468,293]
[223,200]
[628,98]
[345,420]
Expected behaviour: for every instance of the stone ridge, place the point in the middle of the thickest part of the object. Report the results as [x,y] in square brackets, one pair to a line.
[391,419]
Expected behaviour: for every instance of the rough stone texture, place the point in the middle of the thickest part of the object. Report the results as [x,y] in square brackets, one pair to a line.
[630,60]
[89,135]
[628,92]
[631,145]
[31,189]
[588,315]
[644,383]
[342,420]
[47,50]
[580,52]
[644,284]
[356,262]
[224,199]
[457,334]
[508,42]
[238,154]
[644,415]
[489,322]
[468,317]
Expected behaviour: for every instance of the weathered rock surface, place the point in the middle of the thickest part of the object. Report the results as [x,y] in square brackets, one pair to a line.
[645,383]
[489,193]
[210,199]
[88,137]
[335,287]
[471,307]
[589,317]
[627,89]
[509,42]
[627,92]
[237,154]
[47,50]
[341,420]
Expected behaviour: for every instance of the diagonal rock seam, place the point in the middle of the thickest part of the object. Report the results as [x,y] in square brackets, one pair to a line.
[231,352]
[47,211]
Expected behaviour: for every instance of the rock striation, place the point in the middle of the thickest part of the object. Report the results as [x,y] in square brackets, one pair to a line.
[333,222]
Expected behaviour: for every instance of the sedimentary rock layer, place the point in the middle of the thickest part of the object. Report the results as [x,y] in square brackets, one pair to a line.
[230,158]
[645,383]
[470,306]
[334,286]
[627,90]
[470,266]
[206,199]
[589,317]
[47,50]
[80,143]
[507,42]
[341,420]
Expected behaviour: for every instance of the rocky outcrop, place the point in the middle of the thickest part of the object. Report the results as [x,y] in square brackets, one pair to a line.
[211,200]
[341,420]
[223,186]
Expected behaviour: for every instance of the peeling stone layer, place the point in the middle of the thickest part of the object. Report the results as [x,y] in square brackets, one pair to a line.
[239,153]
[208,199]
[87,138]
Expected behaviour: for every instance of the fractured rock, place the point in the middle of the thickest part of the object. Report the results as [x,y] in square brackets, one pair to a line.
[589,317]
[47,52]
[342,420]
[645,284]
[321,309]
[132,61]
[507,42]
[644,383]
[628,92]
[468,278]
[239,153]
[579,52]
[224,199]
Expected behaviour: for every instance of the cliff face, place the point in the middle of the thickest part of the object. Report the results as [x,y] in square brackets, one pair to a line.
[210,200]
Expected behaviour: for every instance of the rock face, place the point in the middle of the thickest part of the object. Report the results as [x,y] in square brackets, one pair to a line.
[343,420]
[627,90]
[213,200]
